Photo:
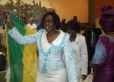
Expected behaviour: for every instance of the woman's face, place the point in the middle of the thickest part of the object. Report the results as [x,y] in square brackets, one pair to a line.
[48,24]
[71,32]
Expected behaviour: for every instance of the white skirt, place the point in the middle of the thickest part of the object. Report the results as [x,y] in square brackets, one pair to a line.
[58,76]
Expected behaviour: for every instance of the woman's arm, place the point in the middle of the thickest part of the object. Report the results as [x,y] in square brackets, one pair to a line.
[84,58]
[70,62]
[14,33]
[99,56]
[29,39]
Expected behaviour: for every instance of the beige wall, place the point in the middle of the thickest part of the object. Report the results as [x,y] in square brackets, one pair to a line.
[98,25]
[65,8]
[68,8]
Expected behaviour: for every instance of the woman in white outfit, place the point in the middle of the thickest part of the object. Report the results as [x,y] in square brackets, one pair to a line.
[52,43]
[79,48]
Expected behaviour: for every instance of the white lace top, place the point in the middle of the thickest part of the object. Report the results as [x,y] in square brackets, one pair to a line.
[50,54]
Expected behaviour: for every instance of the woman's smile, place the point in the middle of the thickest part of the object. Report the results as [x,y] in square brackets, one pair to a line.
[49,23]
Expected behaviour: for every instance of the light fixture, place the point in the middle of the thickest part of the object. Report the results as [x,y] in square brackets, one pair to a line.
[50,7]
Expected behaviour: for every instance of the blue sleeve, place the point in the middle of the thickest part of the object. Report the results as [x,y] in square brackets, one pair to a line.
[100,53]
[39,27]
[70,63]
[29,39]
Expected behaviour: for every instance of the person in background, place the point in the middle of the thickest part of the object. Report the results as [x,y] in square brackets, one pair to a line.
[43,12]
[63,25]
[52,44]
[91,34]
[103,59]
[31,24]
[74,20]
[79,48]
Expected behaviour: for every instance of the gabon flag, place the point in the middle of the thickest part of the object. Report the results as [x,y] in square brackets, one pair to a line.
[22,59]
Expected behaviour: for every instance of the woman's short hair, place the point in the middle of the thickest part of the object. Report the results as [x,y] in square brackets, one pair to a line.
[56,19]
[74,25]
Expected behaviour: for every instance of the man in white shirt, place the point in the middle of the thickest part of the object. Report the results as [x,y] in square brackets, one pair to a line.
[31,24]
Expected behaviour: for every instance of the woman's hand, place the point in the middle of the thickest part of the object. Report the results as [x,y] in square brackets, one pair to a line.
[83,77]
[7,18]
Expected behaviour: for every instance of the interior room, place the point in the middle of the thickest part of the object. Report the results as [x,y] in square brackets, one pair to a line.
[87,11]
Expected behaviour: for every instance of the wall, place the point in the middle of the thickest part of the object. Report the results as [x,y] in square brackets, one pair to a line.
[65,8]
[100,3]
[68,8]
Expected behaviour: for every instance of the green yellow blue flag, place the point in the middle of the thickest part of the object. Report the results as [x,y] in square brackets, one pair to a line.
[22,59]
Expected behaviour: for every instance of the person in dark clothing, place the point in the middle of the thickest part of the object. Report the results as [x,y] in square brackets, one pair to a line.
[63,25]
[91,34]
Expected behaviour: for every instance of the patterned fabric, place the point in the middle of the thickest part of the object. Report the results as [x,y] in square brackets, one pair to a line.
[50,60]
[107,19]
[104,54]
[100,53]
[79,49]
[80,53]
